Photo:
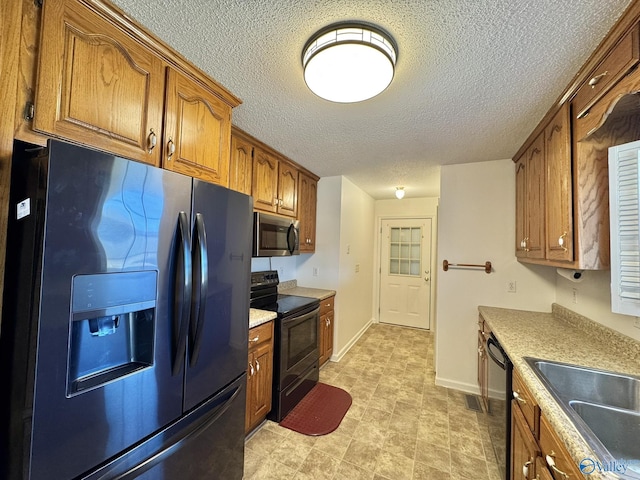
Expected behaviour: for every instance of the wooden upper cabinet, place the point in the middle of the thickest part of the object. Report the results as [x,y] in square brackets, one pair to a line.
[265,181]
[241,165]
[287,189]
[530,202]
[96,85]
[197,131]
[307,204]
[558,187]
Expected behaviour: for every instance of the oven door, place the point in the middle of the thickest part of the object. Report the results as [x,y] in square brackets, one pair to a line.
[299,347]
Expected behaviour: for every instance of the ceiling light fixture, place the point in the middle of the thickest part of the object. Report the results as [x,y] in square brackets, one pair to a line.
[349,62]
[399,193]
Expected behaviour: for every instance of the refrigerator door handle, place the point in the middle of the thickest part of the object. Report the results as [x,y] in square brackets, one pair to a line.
[200,290]
[182,295]
[159,457]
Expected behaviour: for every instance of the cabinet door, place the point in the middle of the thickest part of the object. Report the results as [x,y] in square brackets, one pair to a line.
[307,199]
[197,132]
[96,85]
[535,199]
[521,214]
[287,189]
[329,335]
[558,187]
[263,364]
[264,187]
[322,340]
[241,165]
[524,448]
[251,394]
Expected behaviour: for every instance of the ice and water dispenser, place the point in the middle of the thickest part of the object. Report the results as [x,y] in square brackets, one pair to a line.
[112,327]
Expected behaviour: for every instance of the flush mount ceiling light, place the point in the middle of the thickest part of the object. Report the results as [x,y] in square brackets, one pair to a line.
[399,193]
[349,62]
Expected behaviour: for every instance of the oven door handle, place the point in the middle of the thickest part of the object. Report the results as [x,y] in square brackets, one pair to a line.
[287,321]
[501,363]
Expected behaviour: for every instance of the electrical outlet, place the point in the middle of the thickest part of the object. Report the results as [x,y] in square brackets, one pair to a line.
[575,295]
[637,322]
[315,271]
[357,268]
[511,286]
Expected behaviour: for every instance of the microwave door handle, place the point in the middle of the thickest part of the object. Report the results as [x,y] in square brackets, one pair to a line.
[292,239]
[199,301]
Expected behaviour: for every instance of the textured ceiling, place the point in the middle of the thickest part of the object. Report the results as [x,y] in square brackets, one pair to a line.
[473,77]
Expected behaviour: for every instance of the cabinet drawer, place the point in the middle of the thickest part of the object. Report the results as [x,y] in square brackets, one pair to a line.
[261,333]
[555,454]
[326,305]
[525,401]
[622,58]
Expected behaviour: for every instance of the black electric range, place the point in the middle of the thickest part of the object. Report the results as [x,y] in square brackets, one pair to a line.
[295,342]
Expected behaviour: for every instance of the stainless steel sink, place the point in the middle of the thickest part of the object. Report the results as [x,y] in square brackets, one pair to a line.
[597,386]
[604,406]
[616,428]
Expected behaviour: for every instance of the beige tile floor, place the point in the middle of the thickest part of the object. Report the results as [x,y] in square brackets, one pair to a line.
[400,425]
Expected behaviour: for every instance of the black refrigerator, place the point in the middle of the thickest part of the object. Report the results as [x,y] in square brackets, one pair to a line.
[123,347]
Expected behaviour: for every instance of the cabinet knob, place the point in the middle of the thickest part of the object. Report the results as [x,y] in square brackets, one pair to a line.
[594,81]
[552,465]
[561,241]
[171,148]
[152,140]
[518,398]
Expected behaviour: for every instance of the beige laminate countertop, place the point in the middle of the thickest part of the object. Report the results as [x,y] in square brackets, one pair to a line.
[258,317]
[318,293]
[563,336]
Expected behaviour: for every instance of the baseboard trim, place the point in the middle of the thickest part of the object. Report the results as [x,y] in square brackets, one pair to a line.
[336,357]
[467,387]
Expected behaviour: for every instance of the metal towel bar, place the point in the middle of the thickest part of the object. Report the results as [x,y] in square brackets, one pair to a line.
[486,266]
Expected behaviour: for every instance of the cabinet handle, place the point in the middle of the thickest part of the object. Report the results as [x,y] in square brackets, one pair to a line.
[552,464]
[525,469]
[257,366]
[517,396]
[275,201]
[480,352]
[594,81]
[171,148]
[152,140]
[254,339]
[561,241]
[251,369]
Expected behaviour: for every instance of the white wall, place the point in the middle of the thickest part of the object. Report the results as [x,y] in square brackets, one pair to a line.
[344,239]
[476,222]
[594,301]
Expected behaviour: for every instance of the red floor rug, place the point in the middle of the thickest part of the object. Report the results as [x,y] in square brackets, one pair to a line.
[319,412]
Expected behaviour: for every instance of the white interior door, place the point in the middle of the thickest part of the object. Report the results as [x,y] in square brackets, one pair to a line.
[405,272]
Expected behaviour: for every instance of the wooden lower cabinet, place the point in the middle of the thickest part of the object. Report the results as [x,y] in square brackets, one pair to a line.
[325,329]
[259,375]
[524,448]
[536,451]
[483,363]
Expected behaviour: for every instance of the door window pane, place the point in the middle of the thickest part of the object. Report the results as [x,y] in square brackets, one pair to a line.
[405,251]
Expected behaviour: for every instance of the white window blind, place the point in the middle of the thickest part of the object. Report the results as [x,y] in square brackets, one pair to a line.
[625,228]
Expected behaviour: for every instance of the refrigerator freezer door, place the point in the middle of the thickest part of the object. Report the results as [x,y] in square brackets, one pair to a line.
[217,349]
[201,445]
[105,217]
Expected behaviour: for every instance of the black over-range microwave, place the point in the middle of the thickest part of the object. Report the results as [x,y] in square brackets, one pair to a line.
[275,236]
